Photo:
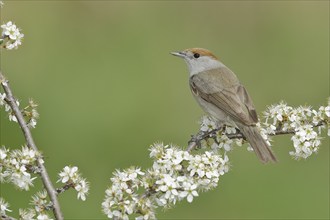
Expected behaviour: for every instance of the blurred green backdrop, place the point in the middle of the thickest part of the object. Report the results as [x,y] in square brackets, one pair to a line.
[108,88]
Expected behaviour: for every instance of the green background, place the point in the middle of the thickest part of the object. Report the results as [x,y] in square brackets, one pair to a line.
[108,88]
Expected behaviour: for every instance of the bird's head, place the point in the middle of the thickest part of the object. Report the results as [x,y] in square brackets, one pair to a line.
[198,60]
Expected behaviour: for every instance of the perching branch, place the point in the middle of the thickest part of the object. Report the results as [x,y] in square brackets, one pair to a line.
[52,193]
[200,136]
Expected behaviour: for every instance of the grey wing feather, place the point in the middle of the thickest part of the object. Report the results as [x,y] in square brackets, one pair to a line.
[222,89]
[246,99]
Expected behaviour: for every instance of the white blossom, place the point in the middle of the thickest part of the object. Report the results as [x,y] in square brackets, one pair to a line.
[28,214]
[3,153]
[11,114]
[12,34]
[168,185]
[305,142]
[12,117]
[208,124]
[32,123]
[322,115]
[189,191]
[68,173]
[327,111]
[278,112]
[22,179]
[2,98]
[32,114]
[157,150]
[223,141]
[4,207]
[15,166]
[224,165]
[146,209]
[43,216]
[7,107]
[40,201]
[10,30]
[82,188]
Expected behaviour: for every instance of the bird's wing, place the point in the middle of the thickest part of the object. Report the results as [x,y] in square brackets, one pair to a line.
[221,88]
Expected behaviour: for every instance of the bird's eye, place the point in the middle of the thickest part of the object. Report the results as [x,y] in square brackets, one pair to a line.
[196,55]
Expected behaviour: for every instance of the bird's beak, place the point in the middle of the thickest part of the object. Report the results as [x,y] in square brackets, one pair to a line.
[179,54]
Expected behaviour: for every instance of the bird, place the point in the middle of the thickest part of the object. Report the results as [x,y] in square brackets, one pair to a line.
[221,95]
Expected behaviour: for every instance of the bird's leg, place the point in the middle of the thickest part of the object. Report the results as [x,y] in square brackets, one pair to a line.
[197,138]
[195,141]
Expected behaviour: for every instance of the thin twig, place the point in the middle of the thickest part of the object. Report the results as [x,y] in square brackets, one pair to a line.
[64,188]
[31,144]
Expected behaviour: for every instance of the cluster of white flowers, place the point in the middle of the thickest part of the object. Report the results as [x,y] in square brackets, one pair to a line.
[31,114]
[16,166]
[3,207]
[27,214]
[31,214]
[179,174]
[2,99]
[302,122]
[218,140]
[11,36]
[305,142]
[8,109]
[71,177]
[322,115]
[175,175]
[208,124]
[41,206]
[122,198]
[30,111]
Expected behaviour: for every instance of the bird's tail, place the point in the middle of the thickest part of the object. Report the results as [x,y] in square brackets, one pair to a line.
[258,144]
